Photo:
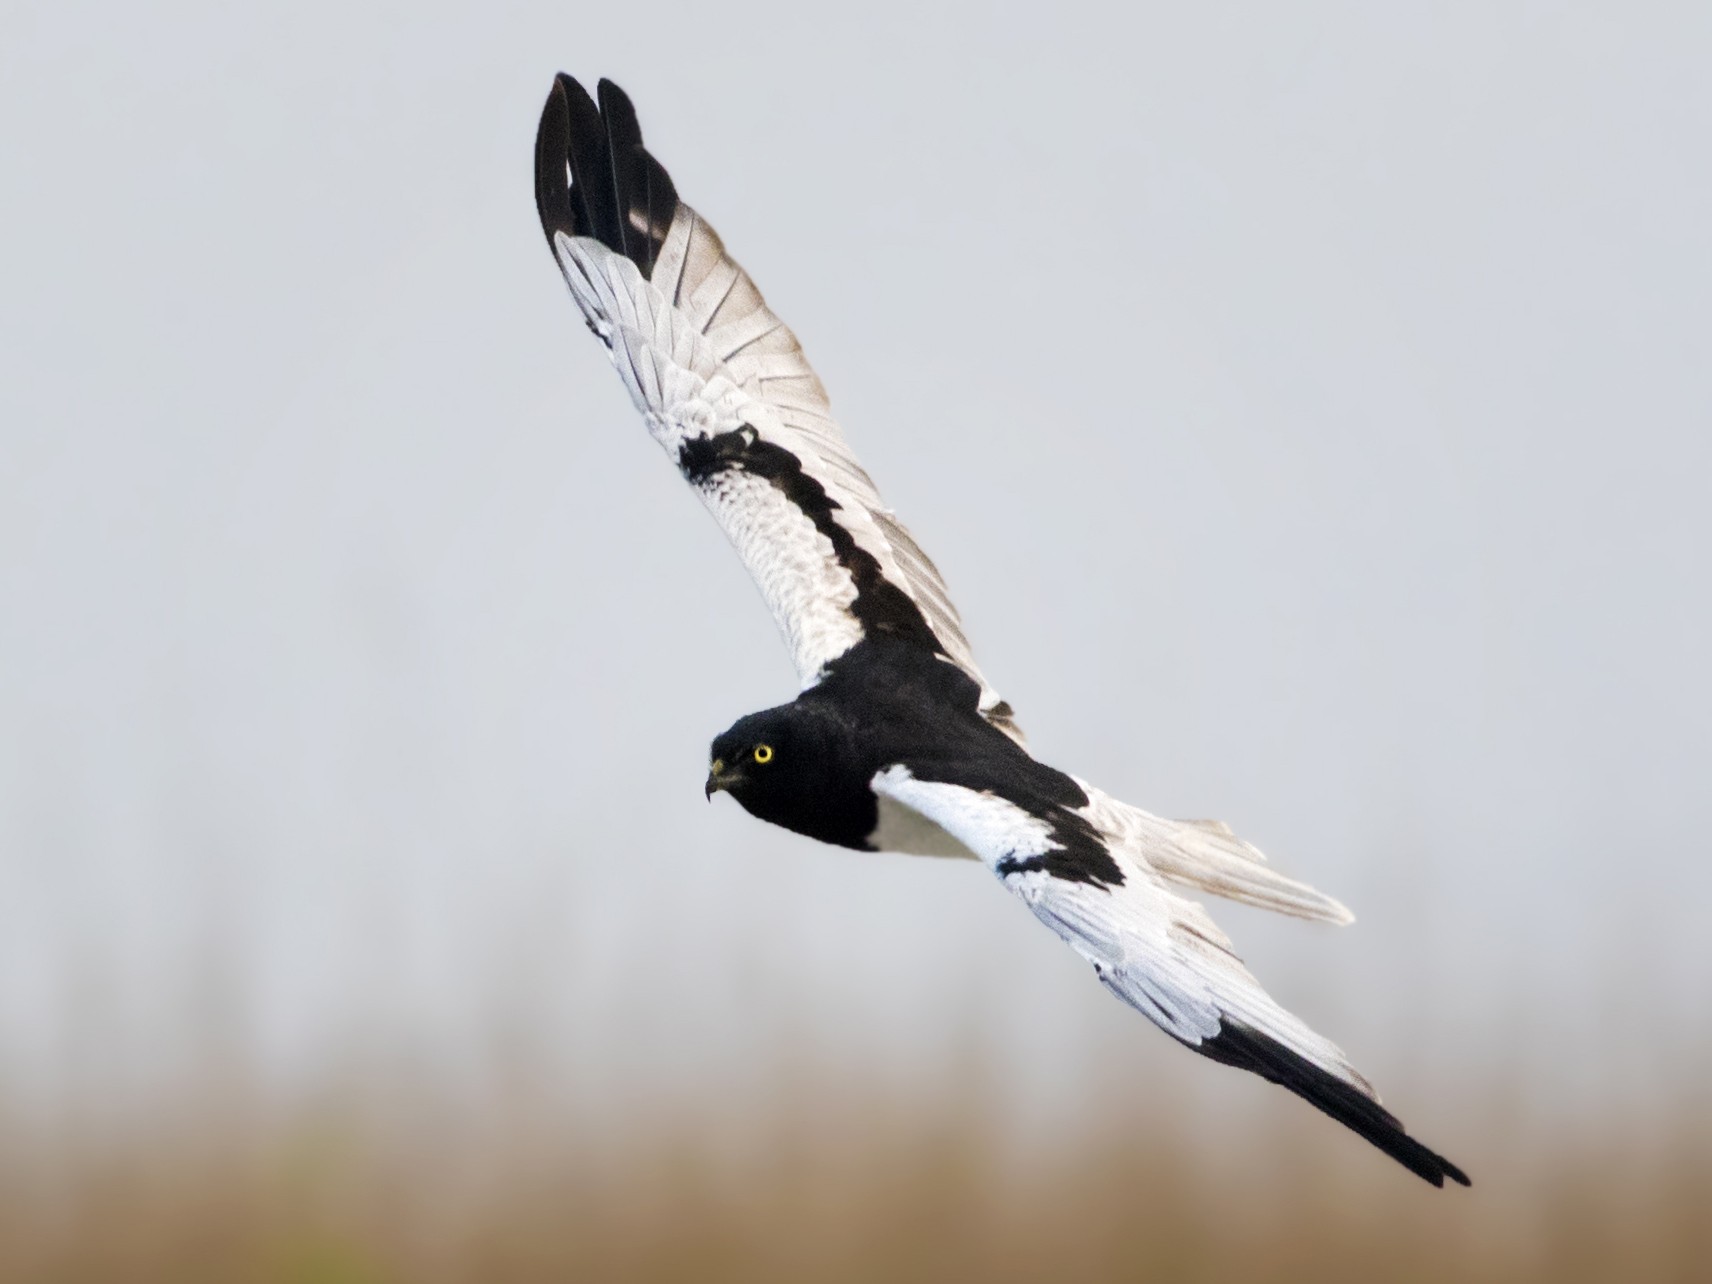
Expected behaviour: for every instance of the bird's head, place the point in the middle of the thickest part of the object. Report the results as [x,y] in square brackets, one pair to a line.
[795,766]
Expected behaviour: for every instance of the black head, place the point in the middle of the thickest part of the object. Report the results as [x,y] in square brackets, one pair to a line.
[796,766]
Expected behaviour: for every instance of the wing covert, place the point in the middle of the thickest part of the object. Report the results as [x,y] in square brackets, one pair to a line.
[725,388]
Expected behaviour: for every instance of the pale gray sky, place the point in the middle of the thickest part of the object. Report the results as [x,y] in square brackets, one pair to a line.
[1308,406]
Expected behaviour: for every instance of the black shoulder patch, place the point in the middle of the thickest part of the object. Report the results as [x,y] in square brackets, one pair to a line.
[1082,856]
[1248,1049]
[881,607]
[593,176]
[992,763]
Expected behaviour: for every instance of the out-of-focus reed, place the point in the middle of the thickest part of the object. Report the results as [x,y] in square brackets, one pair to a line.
[383,1179]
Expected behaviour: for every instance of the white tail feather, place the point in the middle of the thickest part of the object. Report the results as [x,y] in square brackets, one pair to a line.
[1207,856]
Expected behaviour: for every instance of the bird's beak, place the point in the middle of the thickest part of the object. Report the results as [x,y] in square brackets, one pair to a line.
[719,778]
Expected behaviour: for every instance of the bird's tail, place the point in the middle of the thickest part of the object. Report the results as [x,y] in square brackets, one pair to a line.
[1207,856]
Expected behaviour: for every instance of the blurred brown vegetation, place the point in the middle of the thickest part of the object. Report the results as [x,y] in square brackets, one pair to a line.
[829,1180]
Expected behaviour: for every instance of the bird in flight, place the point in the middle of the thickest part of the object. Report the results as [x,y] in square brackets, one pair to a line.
[896,741]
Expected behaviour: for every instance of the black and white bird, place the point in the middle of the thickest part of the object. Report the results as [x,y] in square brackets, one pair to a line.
[896,741]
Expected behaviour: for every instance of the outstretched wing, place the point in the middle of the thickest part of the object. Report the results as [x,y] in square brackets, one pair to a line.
[1156,951]
[725,388]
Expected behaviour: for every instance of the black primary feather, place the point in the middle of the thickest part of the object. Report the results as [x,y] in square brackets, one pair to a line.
[593,176]
[1248,1049]
[585,152]
[553,199]
[622,135]
[661,203]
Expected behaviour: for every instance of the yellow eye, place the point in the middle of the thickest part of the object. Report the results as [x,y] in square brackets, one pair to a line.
[763,753]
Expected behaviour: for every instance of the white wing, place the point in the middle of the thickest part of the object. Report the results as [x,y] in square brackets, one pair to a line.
[1160,953]
[725,388]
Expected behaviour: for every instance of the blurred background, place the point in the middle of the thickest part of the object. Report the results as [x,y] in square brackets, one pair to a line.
[1309,409]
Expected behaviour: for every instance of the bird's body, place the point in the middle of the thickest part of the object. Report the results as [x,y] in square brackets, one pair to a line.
[881,705]
[897,742]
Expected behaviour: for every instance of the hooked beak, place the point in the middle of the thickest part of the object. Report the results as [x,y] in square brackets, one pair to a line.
[719,778]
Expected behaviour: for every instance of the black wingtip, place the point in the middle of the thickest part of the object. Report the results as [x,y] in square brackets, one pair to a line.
[552,146]
[1247,1049]
[593,177]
